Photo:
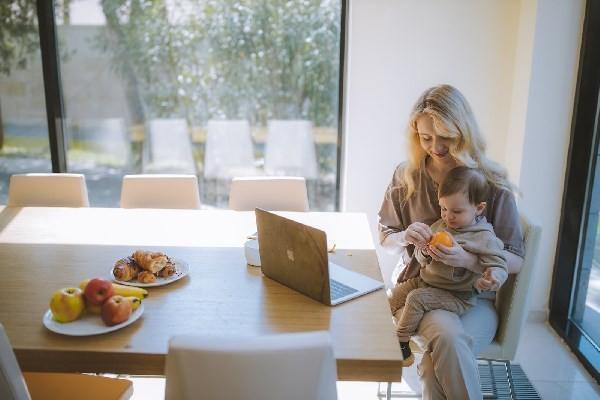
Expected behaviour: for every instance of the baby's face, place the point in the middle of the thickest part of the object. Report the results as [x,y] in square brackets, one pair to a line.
[457,211]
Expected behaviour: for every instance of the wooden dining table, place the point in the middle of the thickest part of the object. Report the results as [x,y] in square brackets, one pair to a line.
[43,249]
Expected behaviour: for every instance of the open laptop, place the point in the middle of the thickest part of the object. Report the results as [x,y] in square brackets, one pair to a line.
[295,255]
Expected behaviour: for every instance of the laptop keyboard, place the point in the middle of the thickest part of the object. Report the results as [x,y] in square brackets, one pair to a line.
[339,290]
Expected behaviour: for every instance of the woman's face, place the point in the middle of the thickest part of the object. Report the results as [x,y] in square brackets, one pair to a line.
[438,147]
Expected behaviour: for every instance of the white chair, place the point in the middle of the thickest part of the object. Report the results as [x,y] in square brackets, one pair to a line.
[160,191]
[511,303]
[168,147]
[284,366]
[15,385]
[229,151]
[270,193]
[512,300]
[47,190]
[290,149]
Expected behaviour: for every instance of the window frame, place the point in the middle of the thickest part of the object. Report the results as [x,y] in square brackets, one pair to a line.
[55,111]
[577,196]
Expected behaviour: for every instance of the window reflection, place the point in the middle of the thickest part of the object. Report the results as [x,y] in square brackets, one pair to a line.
[146,84]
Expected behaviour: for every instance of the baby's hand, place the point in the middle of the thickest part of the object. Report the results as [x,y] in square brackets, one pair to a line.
[487,281]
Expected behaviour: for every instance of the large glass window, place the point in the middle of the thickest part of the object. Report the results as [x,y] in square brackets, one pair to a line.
[216,88]
[24,145]
[575,294]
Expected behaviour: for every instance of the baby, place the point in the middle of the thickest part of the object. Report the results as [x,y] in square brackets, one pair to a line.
[462,197]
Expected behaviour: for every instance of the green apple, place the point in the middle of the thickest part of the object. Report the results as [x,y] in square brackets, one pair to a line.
[67,304]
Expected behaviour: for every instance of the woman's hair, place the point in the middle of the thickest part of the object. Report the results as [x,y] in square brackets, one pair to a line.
[469,181]
[452,118]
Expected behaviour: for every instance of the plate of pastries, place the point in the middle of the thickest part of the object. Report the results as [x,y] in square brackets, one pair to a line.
[148,268]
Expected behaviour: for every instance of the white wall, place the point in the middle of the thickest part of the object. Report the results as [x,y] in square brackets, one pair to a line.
[545,133]
[516,63]
[399,48]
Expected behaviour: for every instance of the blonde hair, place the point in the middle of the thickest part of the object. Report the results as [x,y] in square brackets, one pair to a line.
[452,118]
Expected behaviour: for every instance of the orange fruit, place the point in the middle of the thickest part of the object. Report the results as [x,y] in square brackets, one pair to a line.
[441,237]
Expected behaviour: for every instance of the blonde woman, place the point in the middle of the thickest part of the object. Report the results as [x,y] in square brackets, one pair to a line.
[443,134]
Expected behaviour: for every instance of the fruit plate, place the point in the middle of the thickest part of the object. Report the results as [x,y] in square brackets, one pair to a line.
[181,269]
[88,325]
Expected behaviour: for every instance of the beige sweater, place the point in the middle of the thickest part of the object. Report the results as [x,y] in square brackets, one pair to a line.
[478,239]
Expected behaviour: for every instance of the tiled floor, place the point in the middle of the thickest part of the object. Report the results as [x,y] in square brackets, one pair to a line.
[552,368]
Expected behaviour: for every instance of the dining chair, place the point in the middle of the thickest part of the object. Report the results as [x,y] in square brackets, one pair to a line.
[15,385]
[160,191]
[168,147]
[229,151]
[47,190]
[512,300]
[512,305]
[281,366]
[290,149]
[280,193]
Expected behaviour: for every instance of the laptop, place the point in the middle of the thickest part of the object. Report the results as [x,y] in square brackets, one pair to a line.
[295,255]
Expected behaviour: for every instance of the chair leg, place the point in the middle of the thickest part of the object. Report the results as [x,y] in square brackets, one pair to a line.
[389,394]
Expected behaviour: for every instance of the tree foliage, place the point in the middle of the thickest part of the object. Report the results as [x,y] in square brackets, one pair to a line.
[18,33]
[252,59]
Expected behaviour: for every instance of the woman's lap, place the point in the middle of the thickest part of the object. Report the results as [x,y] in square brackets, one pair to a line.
[477,325]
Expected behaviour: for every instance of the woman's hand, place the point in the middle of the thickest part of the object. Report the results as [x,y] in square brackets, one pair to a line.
[454,256]
[418,234]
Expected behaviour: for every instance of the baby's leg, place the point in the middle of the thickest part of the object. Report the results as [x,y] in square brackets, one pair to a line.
[419,301]
[397,295]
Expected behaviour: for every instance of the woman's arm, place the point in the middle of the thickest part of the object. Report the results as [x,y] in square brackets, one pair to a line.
[513,262]
[417,233]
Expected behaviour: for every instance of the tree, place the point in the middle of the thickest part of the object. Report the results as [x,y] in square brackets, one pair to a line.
[18,39]
[253,59]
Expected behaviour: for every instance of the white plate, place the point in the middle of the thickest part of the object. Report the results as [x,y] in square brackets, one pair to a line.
[181,269]
[87,325]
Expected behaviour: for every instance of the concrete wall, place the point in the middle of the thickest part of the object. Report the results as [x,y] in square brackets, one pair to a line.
[91,86]
[516,62]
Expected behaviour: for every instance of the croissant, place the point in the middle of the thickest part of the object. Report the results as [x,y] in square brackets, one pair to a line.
[125,270]
[167,271]
[150,261]
[146,277]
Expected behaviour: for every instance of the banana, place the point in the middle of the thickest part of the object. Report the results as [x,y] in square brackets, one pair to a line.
[127,291]
[122,290]
[135,302]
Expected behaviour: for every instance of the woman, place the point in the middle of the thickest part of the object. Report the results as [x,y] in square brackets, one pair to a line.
[443,134]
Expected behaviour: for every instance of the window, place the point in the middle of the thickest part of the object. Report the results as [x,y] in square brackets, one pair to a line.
[575,295]
[216,88]
[24,145]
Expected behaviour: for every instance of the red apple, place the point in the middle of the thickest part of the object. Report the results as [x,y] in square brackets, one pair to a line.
[115,310]
[67,304]
[98,290]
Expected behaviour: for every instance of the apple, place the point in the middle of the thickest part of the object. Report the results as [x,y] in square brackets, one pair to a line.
[67,304]
[98,290]
[115,310]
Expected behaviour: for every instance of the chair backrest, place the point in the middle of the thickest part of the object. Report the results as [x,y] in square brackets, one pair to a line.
[284,366]
[512,299]
[290,149]
[229,151]
[12,384]
[160,191]
[168,147]
[270,193]
[48,190]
